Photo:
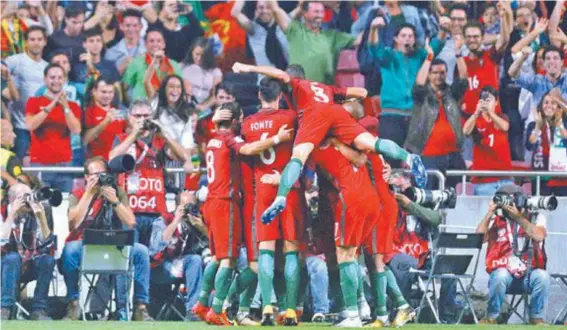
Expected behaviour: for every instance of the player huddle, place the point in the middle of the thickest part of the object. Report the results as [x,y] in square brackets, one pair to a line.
[257,198]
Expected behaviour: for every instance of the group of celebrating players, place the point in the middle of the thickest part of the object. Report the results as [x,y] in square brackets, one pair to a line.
[256,198]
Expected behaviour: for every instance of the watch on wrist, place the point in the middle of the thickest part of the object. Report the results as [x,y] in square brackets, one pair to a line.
[44,109]
[115,204]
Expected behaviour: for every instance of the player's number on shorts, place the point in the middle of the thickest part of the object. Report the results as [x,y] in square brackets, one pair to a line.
[491,140]
[210,159]
[319,92]
[271,152]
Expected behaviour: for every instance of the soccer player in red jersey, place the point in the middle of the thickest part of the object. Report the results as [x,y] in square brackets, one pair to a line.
[222,208]
[489,128]
[319,117]
[288,226]
[483,65]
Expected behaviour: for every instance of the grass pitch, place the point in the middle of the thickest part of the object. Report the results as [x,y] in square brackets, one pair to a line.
[111,325]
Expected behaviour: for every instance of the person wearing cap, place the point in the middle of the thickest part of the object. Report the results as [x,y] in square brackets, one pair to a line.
[505,227]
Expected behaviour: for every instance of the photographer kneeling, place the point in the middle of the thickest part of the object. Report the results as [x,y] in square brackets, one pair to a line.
[516,235]
[177,243]
[27,251]
[411,250]
[100,206]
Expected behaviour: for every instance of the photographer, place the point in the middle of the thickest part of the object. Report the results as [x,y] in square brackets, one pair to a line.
[27,252]
[103,207]
[150,145]
[505,227]
[415,225]
[177,243]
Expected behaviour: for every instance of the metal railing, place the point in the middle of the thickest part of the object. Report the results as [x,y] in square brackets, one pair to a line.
[80,170]
[504,174]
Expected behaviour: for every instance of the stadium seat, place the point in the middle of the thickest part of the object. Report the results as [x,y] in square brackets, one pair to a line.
[348,71]
[467,189]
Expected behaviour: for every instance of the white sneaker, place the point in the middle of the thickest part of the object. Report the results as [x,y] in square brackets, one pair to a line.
[364,310]
[244,319]
[318,318]
[350,322]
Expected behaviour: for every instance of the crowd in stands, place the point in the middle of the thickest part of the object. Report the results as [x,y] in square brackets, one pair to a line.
[464,84]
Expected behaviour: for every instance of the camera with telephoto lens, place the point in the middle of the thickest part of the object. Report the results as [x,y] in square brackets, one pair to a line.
[548,203]
[106,179]
[150,126]
[117,165]
[52,196]
[501,200]
[445,199]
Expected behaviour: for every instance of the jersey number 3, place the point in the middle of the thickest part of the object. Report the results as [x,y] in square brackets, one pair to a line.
[319,92]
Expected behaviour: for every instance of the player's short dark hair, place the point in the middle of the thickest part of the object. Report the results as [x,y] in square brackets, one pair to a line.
[296,71]
[553,49]
[131,13]
[473,25]
[95,159]
[93,32]
[34,28]
[305,5]
[74,10]
[458,6]
[491,90]
[58,52]
[51,66]
[406,26]
[234,107]
[153,29]
[438,61]
[270,89]
[225,86]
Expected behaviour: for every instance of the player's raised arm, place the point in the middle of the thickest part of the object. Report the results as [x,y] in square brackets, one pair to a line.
[265,70]
[357,92]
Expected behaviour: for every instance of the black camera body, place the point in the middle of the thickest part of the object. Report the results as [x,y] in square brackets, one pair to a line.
[192,209]
[107,179]
[52,196]
[150,126]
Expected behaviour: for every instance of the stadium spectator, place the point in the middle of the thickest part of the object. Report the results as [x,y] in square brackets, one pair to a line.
[458,17]
[51,119]
[508,270]
[27,252]
[102,120]
[27,71]
[150,145]
[11,165]
[399,67]
[178,38]
[266,38]
[176,116]
[435,126]
[224,93]
[539,84]
[491,24]
[546,138]
[104,18]
[175,250]
[91,63]
[14,28]
[414,229]
[89,207]
[201,72]
[395,15]
[132,45]
[149,70]
[8,91]
[488,127]
[316,50]
[69,38]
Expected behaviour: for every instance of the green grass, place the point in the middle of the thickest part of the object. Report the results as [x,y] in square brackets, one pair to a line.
[107,325]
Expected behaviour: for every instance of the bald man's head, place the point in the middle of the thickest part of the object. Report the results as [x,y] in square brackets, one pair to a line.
[354,108]
[17,190]
[7,135]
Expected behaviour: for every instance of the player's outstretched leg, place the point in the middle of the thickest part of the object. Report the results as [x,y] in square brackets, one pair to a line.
[201,308]
[223,279]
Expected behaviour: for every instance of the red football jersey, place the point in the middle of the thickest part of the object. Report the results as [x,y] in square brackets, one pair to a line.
[102,145]
[247,178]
[351,181]
[482,71]
[307,93]
[491,150]
[223,165]
[263,125]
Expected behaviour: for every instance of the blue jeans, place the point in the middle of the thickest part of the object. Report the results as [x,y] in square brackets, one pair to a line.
[192,271]
[22,142]
[61,181]
[318,283]
[72,255]
[501,281]
[489,189]
[41,270]
[400,265]
[144,223]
